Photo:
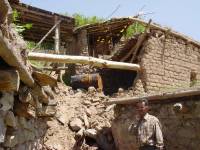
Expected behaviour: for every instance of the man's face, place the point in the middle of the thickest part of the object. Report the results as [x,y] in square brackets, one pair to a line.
[141,109]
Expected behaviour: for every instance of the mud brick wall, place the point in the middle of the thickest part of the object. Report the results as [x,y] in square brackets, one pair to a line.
[168,63]
[181,130]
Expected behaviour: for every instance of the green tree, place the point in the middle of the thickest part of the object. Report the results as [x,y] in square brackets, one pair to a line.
[18,26]
[135,28]
[81,20]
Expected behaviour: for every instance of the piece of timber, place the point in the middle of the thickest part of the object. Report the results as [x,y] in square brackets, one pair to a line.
[12,57]
[43,79]
[9,80]
[83,60]
[48,68]
[157,97]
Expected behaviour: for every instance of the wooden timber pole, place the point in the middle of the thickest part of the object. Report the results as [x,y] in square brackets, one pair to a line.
[155,98]
[57,36]
[57,46]
[46,35]
[83,60]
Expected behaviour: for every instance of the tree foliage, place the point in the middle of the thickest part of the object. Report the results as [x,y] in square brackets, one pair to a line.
[18,26]
[81,20]
[133,29]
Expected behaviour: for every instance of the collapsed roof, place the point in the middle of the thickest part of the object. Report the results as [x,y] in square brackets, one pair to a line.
[101,35]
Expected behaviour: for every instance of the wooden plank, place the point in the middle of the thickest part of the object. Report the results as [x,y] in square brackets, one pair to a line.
[44,79]
[83,60]
[157,97]
[9,80]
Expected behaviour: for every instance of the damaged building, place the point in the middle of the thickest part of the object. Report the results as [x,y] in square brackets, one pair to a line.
[169,76]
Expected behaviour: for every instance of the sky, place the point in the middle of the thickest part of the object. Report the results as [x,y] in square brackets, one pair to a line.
[180,15]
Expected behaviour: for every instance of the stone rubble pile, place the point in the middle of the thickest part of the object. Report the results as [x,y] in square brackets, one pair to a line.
[93,121]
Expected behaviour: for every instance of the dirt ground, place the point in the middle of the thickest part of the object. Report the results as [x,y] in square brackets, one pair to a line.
[79,104]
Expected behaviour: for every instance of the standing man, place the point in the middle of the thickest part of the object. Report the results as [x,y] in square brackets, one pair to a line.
[147,128]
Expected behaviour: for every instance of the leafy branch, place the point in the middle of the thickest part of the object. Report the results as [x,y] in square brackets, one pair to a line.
[19,27]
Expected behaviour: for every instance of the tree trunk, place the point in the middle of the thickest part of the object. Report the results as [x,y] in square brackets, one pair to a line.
[83,60]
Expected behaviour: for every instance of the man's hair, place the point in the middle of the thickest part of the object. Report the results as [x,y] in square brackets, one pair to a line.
[144,100]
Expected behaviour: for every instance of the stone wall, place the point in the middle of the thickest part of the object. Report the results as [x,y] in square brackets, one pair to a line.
[168,63]
[181,129]
[19,129]
[24,106]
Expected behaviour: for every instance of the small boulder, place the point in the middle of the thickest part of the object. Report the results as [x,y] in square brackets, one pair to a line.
[10,119]
[91,90]
[92,133]
[76,124]
[120,90]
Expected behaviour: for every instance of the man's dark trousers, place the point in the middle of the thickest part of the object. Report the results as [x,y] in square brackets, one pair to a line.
[147,147]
